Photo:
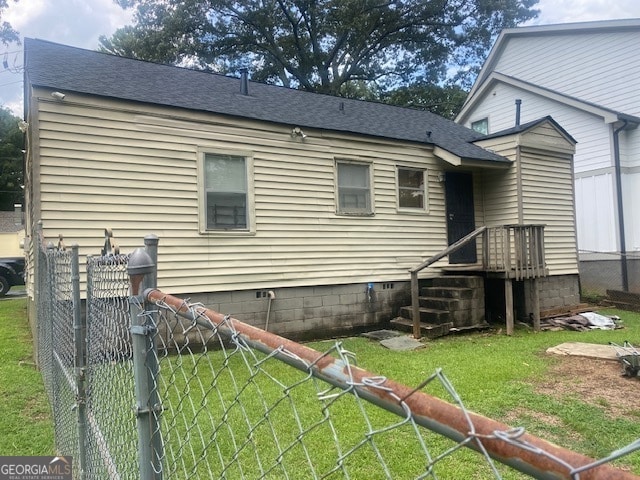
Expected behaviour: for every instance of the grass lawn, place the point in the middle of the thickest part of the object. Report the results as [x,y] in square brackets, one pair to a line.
[591,410]
[24,408]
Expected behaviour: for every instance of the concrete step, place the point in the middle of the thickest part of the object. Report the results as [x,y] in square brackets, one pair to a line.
[451,304]
[458,281]
[463,293]
[428,330]
[427,315]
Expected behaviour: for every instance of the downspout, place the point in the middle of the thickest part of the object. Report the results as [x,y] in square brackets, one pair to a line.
[621,229]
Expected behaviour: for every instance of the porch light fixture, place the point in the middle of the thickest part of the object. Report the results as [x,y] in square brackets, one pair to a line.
[58,95]
[441,177]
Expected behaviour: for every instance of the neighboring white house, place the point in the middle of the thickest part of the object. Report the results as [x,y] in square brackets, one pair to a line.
[587,77]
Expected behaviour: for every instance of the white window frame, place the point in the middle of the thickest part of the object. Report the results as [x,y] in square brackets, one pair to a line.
[484,120]
[358,212]
[425,190]
[249,229]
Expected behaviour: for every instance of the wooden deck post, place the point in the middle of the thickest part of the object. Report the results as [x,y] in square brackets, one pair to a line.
[415,305]
[508,305]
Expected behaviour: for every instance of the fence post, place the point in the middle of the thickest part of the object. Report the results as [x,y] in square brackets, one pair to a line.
[150,281]
[79,337]
[151,247]
[145,369]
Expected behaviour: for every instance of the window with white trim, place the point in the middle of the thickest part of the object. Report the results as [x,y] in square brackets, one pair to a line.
[354,188]
[226,192]
[412,189]
[481,126]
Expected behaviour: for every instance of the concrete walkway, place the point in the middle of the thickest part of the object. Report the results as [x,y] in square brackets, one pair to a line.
[588,350]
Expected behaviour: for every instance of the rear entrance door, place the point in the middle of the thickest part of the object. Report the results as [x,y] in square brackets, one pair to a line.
[460,217]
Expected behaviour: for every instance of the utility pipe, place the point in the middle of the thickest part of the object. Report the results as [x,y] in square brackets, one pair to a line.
[621,229]
[271,294]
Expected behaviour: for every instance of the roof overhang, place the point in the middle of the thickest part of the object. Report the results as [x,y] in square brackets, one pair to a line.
[608,115]
[458,161]
[545,30]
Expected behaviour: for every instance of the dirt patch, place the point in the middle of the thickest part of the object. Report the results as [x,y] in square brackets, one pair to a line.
[594,381]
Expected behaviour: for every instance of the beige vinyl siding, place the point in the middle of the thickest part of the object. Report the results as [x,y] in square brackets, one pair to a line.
[547,193]
[134,169]
[500,187]
[538,189]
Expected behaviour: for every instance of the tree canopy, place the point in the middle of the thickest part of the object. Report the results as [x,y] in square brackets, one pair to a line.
[7,33]
[11,145]
[338,47]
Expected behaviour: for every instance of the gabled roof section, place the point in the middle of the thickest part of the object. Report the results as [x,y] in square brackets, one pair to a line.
[71,69]
[546,30]
[530,126]
[608,115]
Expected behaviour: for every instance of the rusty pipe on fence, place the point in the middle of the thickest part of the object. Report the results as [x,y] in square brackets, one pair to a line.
[430,412]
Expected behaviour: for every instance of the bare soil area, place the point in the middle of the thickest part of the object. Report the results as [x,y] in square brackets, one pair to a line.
[598,382]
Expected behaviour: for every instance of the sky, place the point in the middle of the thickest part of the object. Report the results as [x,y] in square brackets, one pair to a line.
[80,23]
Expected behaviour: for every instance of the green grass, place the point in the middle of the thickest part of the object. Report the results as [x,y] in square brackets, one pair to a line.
[494,375]
[24,408]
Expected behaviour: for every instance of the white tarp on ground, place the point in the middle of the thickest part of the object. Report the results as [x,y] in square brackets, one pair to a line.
[597,321]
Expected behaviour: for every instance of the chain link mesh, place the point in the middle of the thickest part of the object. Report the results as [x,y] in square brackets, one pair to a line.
[227,400]
[56,345]
[112,442]
[234,408]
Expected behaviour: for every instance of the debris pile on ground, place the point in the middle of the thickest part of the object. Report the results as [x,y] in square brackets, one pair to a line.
[629,357]
[580,322]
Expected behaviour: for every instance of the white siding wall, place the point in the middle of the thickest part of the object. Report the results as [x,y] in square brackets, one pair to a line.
[630,148]
[596,213]
[593,136]
[103,166]
[596,67]
[631,199]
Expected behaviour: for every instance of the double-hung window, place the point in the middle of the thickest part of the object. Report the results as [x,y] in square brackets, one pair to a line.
[412,191]
[354,188]
[226,192]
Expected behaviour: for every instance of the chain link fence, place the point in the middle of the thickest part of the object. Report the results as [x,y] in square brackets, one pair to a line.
[147,385]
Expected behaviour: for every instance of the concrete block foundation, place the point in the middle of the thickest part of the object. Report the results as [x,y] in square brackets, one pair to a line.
[312,312]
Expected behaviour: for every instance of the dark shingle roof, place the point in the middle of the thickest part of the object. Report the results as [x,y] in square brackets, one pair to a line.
[67,68]
[526,126]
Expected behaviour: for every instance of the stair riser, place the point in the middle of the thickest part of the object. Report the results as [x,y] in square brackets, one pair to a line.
[451,304]
[458,282]
[426,329]
[443,292]
[427,316]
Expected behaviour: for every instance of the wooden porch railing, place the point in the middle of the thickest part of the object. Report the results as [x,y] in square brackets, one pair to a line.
[517,251]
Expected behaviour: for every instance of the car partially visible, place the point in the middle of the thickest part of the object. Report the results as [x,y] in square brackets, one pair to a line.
[11,273]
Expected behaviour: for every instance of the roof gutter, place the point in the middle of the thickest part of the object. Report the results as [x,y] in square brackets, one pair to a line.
[621,229]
